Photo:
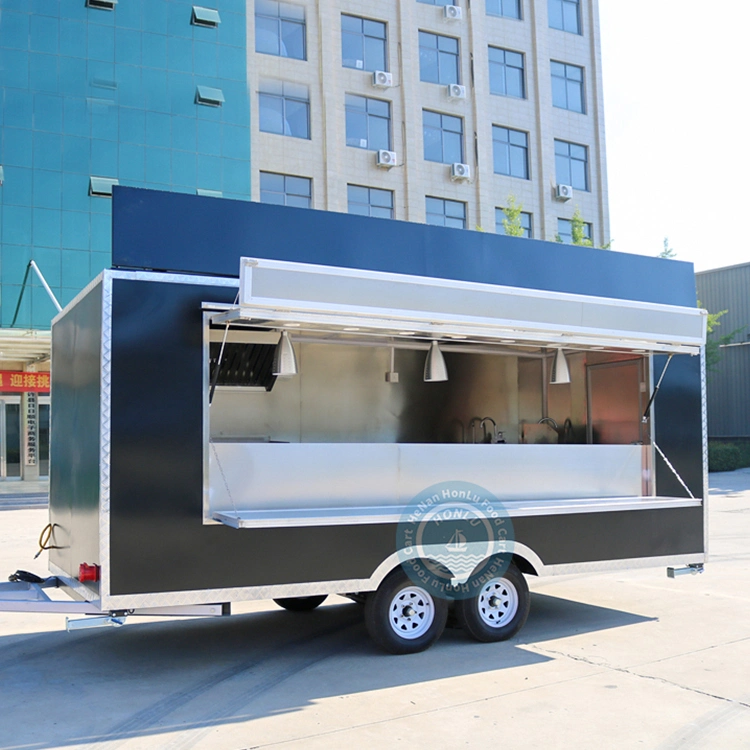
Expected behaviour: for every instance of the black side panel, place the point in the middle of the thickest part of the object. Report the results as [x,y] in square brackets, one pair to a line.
[677,411]
[589,537]
[74,465]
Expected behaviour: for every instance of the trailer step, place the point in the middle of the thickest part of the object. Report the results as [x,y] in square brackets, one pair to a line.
[691,569]
[85,623]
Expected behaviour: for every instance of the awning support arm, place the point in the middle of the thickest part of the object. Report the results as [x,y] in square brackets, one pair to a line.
[33,265]
[656,390]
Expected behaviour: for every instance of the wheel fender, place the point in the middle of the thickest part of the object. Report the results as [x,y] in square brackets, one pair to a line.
[526,560]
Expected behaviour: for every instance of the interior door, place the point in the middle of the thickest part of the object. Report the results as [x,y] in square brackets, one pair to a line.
[616,402]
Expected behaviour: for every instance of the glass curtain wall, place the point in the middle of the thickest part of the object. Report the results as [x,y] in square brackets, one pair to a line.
[90,92]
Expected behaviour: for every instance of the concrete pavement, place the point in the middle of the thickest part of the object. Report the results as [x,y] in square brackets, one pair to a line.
[16,494]
[616,660]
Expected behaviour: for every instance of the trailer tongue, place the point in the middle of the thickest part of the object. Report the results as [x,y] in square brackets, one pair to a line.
[415,442]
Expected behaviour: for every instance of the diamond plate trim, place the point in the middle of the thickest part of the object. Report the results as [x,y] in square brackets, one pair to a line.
[252,593]
[629,563]
[105,425]
[704,429]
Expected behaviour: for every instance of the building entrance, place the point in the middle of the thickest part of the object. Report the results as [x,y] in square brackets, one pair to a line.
[12,435]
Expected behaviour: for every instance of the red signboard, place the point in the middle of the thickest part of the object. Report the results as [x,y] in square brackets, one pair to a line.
[24,382]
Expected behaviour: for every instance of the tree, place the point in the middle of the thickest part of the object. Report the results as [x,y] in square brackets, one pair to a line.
[512,219]
[578,230]
[668,252]
[714,343]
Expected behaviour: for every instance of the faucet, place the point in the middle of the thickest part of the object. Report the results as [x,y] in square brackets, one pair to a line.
[473,427]
[552,421]
[493,435]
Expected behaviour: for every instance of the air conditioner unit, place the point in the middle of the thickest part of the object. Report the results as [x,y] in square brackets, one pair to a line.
[382,79]
[460,171]
[386,159]
[452,13]
[456,92]
[564,192]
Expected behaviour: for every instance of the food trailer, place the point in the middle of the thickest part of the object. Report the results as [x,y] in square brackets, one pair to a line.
[261,402]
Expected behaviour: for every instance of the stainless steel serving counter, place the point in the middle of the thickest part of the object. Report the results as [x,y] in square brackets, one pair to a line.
[270,484]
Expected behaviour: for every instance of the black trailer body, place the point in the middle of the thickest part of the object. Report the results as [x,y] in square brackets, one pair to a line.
[141,481]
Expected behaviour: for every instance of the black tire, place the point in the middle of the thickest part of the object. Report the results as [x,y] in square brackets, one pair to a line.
[301,603]
[488,621]
[388,620]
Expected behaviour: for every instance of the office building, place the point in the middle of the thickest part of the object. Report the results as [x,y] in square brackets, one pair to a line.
[414,110]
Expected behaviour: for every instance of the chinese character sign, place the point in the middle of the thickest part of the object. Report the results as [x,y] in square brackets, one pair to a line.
[24,382]
[32,413]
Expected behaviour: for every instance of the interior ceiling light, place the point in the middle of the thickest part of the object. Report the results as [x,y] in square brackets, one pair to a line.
[284,359]
[435,370]
[560,371]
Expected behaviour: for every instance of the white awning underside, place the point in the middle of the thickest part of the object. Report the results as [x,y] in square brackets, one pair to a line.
[279,294]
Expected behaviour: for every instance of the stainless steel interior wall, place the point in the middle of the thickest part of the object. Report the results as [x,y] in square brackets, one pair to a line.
[341,395]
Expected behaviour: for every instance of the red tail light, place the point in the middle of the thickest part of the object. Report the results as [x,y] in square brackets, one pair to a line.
[88,573]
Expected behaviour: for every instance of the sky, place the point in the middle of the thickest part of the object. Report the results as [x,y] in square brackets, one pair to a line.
[677,122]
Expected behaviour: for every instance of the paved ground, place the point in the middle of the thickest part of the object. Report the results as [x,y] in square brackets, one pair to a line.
[618,660]
[17,494]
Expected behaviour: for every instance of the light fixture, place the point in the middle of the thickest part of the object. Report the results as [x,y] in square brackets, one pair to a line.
[435,370]
[284,359]
[560,371]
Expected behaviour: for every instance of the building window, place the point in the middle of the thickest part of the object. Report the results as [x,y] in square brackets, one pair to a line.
[285,190]
[439,2]
[567,87]
[445,213]
[525,222]
[572,165]
[363,43]
[366,201]
[565,15]
[511,152]
[280,29]
[565,231]
[506,8]
[284,108]
[438,58]
[443,137]
[506,73]
[368,123]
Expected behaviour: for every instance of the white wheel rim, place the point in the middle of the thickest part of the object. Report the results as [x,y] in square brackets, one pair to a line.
[497,602]
[411,612]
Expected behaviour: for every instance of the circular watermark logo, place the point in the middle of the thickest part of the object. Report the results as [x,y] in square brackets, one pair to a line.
[453,537]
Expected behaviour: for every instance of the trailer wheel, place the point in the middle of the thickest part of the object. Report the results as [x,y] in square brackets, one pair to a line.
[499,610]
[301,603]
[402,617]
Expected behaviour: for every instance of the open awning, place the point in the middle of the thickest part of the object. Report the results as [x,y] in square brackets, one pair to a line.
[280,294]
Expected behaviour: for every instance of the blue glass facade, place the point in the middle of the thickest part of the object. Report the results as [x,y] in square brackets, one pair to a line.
[108,93]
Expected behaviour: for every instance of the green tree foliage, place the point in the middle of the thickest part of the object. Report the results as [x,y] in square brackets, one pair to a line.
[578,230]
[512,219]
[667,251]
[715,342]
